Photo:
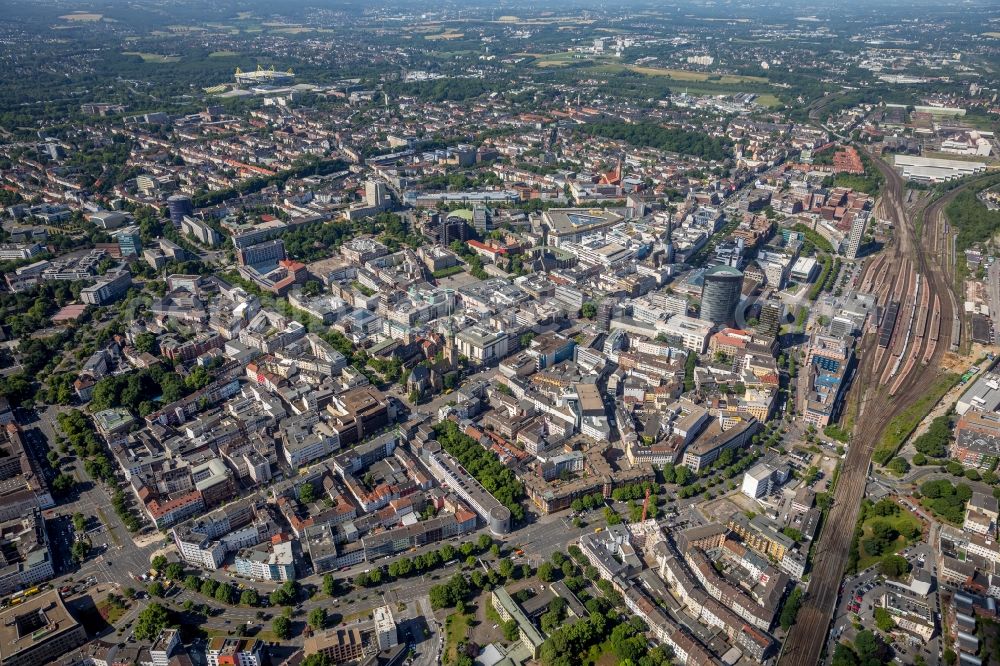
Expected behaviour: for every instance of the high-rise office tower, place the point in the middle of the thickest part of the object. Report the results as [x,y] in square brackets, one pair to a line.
[853,240]
[721,294]
[179,206]
[375,194]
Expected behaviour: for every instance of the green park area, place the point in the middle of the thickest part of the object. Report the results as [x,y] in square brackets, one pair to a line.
[456,629]
[884,529]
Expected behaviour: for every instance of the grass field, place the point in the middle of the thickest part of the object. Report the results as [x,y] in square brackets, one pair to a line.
[558,59]
[152,57]
[110,613]
[903,522]
[684,75]
[223,54]
[768,100]
[456,628]
[445,35]
[903,424]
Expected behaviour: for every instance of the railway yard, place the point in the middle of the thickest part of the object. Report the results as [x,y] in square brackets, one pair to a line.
[898,358]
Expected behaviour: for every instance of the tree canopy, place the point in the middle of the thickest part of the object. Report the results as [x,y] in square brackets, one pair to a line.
[674,140]
[483,466]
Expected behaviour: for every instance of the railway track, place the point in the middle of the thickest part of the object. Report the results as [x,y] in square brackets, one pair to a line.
[943,242]
[875,405]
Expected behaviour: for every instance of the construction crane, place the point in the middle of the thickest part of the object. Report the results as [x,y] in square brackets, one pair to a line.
[645,505]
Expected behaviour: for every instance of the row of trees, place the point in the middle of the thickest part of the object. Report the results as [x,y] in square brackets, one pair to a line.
[588,502]
[286,595]
[791,609]
[813,240]
[85,443]
[825,274]
[483,466]
[120,504]
[209,587]
[690,362]
[428,561]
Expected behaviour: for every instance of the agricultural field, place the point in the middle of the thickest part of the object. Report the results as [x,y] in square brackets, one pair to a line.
[82,17]
[449,34]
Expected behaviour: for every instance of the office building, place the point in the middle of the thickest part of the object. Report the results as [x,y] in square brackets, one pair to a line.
[693,333]
[178,206]
[38,631]
[163,646]
[508,610]
[200,231]
[129,242]
[376,194]
[341,646]
[721,294]
[385,628]
[757,481]
[481,345]
[271,562]
[358,413]
[573,224]
[25,557]
[852,244]
[769,322]
[223,651]
[261,254]
[113,287]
